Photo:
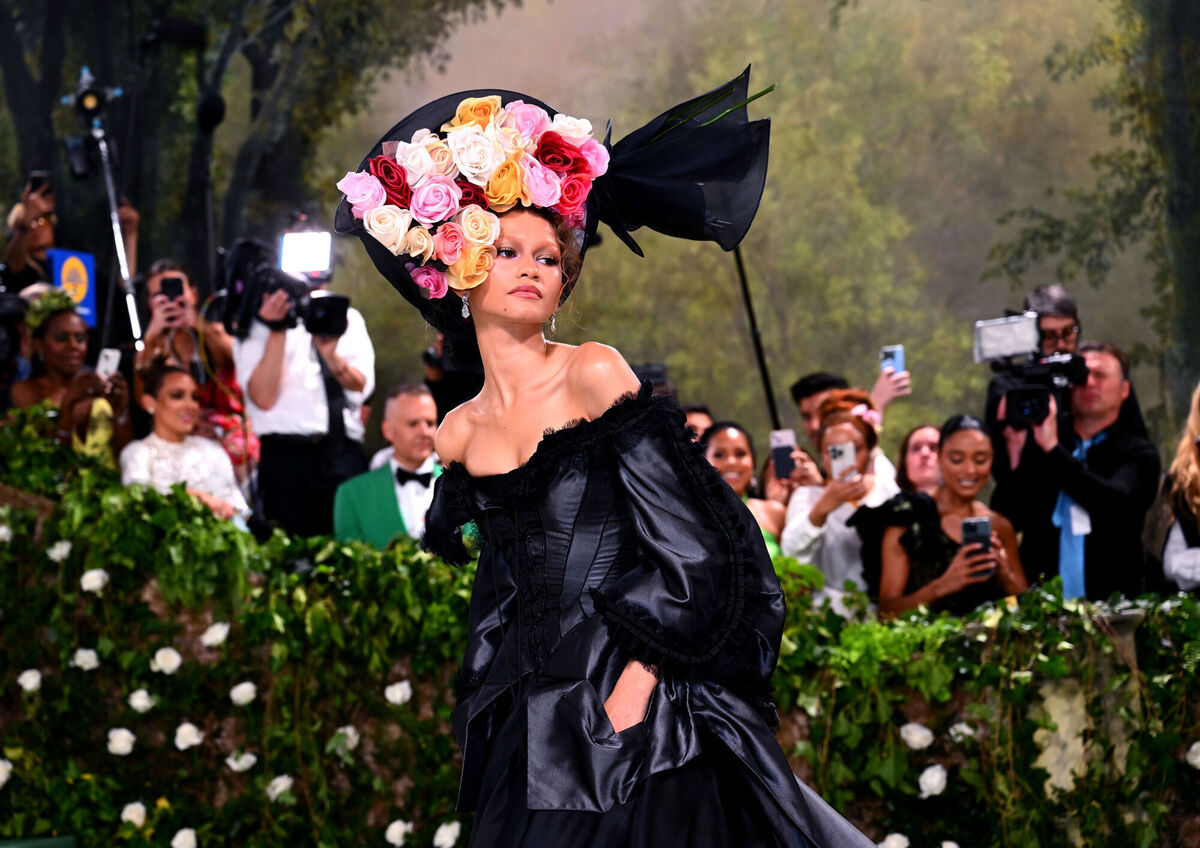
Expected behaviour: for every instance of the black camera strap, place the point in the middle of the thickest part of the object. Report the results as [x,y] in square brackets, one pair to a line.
[335,399]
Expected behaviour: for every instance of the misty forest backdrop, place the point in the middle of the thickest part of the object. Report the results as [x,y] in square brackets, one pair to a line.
[906,134]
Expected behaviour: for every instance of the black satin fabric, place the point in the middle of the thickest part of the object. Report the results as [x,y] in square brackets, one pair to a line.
[618,540]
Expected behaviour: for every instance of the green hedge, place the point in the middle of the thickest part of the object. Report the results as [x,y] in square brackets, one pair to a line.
[323,629]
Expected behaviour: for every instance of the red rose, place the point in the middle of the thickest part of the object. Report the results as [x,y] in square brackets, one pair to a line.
[575,189]
[391,175]
[560,156]
[471,193]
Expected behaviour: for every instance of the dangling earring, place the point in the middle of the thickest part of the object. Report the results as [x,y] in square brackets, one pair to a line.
[553,328]
[466,311]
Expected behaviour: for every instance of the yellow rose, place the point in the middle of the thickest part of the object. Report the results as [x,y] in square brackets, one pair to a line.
[472,267]
[506,187]
[478,225]
[475,110]
[418,243]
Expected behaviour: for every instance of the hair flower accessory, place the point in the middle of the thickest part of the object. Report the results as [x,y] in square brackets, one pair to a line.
[871,416]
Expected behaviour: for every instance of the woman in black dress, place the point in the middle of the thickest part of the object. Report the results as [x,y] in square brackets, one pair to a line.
[625,619]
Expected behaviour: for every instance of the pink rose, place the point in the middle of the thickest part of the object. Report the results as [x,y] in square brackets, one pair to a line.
[575,189]
[528,120]
[435,199]
[430,279]
[448,243]
[541,184]
[363,191]
[596,155]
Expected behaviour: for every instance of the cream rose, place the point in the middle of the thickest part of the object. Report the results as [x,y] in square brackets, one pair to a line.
[439,153]
[120,742]
[397,831]
[94,580]
[243,693]
[215,635]
[478,225]
[241,762]
[166,661]
[916,736]
[399,693]
[447,835]
[472,267]
[476,155]
[134,813]
[30,680]
[85,659]
[415,160]
[574,130]
[388,224]
[141,701]
[418,243]
[184,838]
[187,735]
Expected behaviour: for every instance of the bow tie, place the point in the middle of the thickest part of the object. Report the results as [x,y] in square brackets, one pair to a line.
[405,476]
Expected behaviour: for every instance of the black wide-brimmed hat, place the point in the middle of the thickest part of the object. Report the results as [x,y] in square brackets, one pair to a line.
[696,171]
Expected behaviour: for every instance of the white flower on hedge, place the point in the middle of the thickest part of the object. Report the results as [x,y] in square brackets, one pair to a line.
[399,693]
[30,680]
[59,551]
[85,659]
[215,635]
[184,838]
[6,768]
[894,840]
[1193,755]
[962,731]
[350,734]
[120,742]
[187,735]
[397,831]
[279,785]
[243,693]
[916,736]
[948,843]
[141,701]
[241,762]
[94,580]
[447,835]
[134,813]
[932,781]
[166,660]
[6,534]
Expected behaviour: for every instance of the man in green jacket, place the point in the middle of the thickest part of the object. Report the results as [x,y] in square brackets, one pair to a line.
[377,506]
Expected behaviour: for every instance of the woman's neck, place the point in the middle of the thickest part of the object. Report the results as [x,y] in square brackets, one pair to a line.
[168,435]
[952,503]
[515,358]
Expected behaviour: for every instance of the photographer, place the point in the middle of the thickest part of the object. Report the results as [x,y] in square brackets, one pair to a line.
[303,395]
[1080,492]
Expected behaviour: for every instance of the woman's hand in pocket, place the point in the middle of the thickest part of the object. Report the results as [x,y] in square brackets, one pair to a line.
[630,698]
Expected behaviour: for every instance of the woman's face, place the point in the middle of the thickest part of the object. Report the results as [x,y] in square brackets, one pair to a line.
[921,458]
[526,279]
[63,345]
[729,452]
[175,408]
[840,434]
[966,462]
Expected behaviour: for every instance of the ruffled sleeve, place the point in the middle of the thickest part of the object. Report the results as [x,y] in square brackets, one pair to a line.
[704,599]
[446,515]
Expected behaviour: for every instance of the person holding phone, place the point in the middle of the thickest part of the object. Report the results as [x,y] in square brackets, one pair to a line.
[30,234]
[948,551]
[817,529]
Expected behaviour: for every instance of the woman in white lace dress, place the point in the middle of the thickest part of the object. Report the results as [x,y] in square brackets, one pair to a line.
[171,454]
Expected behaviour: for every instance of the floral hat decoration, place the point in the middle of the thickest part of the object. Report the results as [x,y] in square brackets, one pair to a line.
[46,307]
[426,199]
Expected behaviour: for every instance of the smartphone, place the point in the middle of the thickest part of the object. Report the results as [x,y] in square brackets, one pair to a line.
[171,287]
[108,363]
[37,179]
[842,458]
[977,531]
[783,442]
[891,356]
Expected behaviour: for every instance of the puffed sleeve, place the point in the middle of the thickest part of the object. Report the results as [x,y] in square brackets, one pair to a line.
[135,464]
[703,599]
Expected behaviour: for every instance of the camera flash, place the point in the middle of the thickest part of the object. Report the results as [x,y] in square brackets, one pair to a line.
[305,253]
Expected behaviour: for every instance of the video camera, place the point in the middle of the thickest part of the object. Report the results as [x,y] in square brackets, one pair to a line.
[249,271]
[1012,346]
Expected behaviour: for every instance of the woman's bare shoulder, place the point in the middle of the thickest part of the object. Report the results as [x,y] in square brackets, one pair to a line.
[597,376]
[1000,523]
[25,394]
[454,434]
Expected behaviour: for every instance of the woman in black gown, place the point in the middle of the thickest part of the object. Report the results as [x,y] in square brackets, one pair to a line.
[625,619]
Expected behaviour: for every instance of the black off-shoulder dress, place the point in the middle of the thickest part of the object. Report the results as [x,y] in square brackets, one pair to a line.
[618,540]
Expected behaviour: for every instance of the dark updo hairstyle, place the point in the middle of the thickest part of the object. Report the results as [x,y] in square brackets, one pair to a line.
[958,423]
[837,409]
[902,478]
[155,373]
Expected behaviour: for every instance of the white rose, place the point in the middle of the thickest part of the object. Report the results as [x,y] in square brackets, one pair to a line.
[962,731]
[59,551]
[6,768]
[134,813]
[30,680]
[474,153]
[279,785]
[894,840]
[414,158]
[947,843]
[215,635]
[396,831]
[916,736]
[399,693]
[187,735]
[166,660]
[389,224]
[241,762]
[141,701]
[447,835]
[350,734]
[1193,755]
[85,659]
[932,781]
[6,534]
[184,838]
[243,693]
[94,580]
[120,742]
[574,130]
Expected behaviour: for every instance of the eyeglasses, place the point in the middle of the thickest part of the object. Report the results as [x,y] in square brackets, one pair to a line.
[44,221]
[1055,336]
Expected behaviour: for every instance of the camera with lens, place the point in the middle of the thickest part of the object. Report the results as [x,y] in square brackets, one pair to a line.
[249,271]
[1012,346]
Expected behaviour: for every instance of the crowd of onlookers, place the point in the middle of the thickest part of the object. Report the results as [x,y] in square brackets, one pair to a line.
[268,428]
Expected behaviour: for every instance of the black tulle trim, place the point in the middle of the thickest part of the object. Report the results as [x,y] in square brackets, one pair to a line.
[445,541]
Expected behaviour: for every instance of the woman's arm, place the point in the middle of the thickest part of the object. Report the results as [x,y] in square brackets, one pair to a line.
[1009,570]
[970,565]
